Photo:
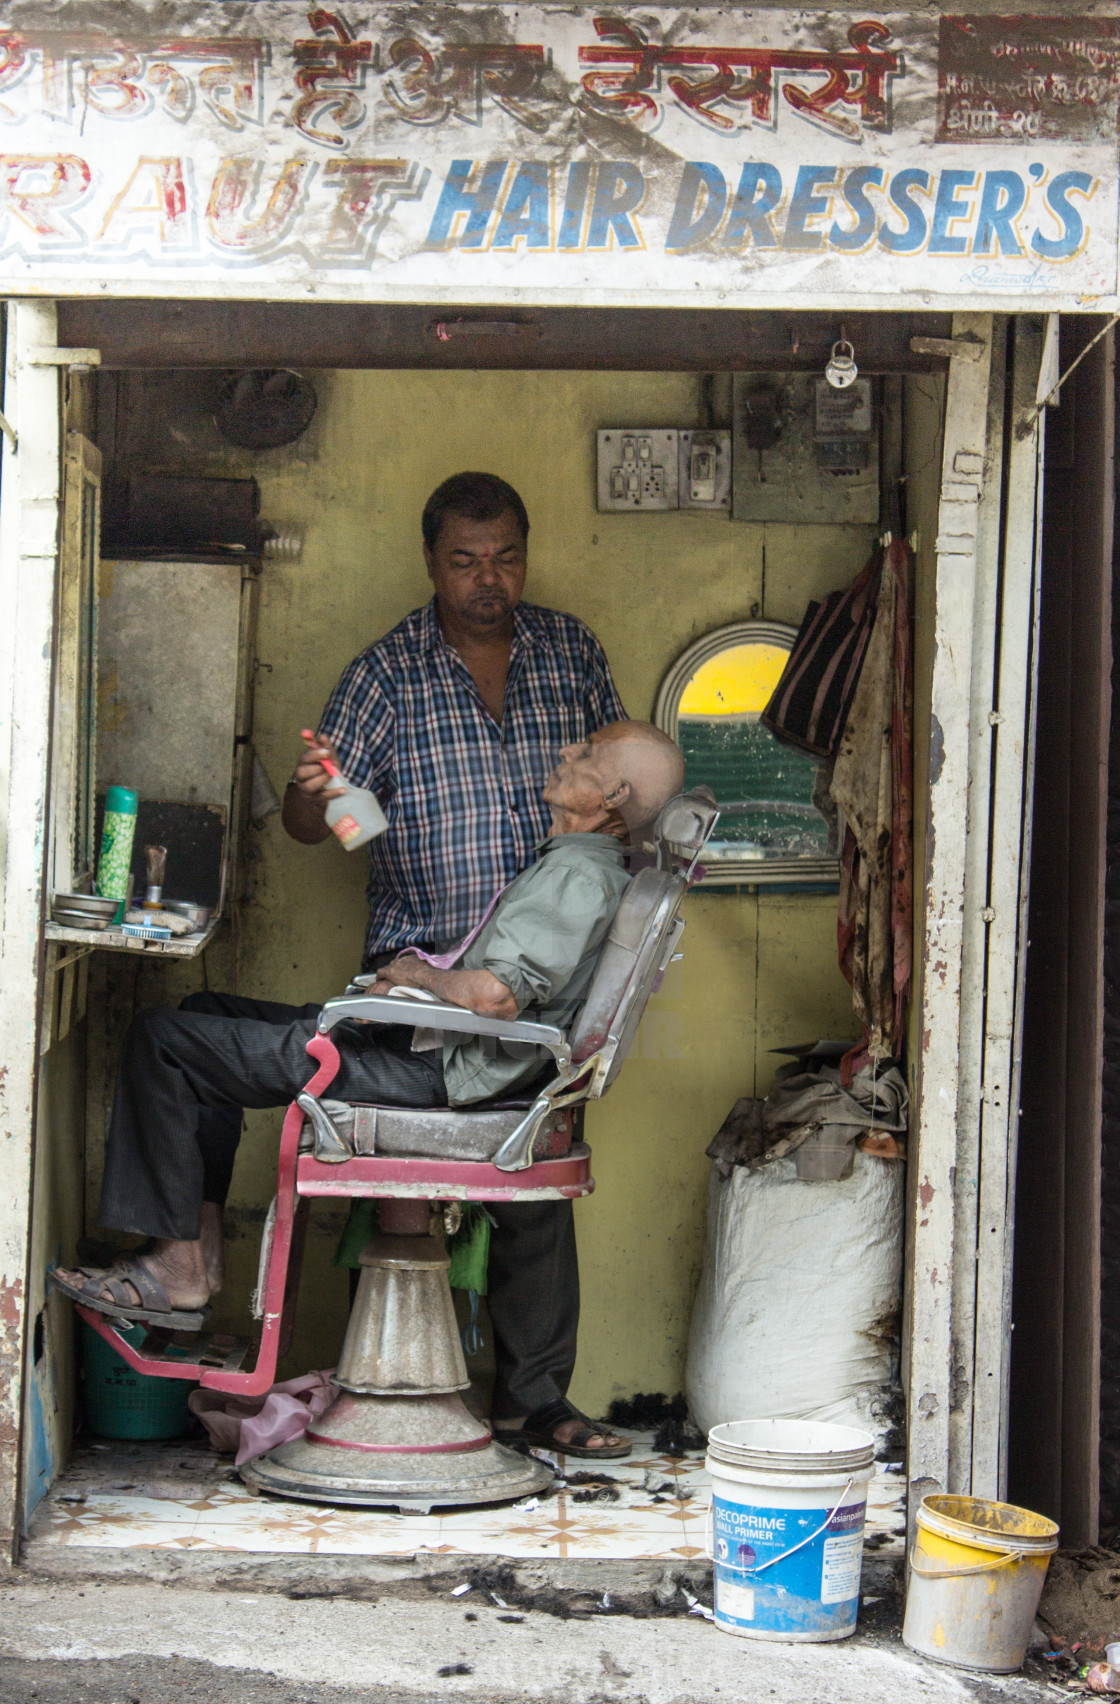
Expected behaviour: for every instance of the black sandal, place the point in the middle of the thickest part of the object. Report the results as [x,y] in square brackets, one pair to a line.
[155,1306]
[539,1432]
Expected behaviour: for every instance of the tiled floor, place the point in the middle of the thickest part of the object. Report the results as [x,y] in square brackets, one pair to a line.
[179,1497]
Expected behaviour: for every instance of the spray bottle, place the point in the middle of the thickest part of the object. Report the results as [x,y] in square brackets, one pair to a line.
[355,815]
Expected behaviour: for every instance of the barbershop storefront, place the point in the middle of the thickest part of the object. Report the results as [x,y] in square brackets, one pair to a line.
[610,258]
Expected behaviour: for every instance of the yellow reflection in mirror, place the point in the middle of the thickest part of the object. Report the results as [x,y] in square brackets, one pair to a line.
[737,682]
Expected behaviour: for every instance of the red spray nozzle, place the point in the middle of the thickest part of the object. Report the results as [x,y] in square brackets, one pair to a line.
[311,737]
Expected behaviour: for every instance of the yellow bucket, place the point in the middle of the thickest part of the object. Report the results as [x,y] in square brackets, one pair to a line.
[976,1575]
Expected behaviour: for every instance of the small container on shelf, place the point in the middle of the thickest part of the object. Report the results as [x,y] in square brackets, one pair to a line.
[155,862]
[114,863]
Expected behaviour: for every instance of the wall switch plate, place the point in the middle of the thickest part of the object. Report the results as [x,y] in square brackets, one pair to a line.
[704,470]
[637,469]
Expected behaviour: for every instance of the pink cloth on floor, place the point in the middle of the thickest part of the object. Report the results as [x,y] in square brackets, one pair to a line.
[251,1425]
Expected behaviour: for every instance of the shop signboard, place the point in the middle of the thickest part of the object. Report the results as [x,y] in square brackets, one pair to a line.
[567,153]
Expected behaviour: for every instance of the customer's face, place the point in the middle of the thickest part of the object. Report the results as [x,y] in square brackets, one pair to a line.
[586,774]
[478,569]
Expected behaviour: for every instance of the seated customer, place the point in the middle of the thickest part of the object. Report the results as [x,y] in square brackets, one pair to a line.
[184,1073]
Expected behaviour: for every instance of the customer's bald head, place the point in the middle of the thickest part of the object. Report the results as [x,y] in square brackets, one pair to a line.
[647,761]
[616,782]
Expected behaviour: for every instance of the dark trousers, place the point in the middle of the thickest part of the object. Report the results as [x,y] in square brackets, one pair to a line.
[184,1079]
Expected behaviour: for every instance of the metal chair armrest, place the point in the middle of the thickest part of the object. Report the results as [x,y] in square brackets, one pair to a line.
[574,1084]
[329,1144]
[437,1015]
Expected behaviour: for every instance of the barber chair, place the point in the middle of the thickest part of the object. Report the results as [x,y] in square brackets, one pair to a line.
[398,1432]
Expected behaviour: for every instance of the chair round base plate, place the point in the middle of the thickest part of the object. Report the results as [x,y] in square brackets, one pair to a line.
[323,1473]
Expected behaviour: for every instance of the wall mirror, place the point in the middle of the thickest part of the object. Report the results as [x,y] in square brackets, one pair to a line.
[769,832]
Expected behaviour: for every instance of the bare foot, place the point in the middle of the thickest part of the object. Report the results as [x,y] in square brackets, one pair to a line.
[178,1266]
[213,1249]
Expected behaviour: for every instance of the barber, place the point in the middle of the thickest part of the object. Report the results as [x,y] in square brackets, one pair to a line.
[449,719]
[454,720]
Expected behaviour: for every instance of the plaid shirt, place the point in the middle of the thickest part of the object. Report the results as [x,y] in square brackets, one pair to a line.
[462,795]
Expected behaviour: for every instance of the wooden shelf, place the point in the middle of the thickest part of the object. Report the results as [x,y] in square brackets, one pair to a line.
[114,940]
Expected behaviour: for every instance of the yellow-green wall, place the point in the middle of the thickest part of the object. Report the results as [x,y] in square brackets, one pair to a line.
[758,972]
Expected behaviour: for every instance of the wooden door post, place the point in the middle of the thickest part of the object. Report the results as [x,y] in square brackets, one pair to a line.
[29,516]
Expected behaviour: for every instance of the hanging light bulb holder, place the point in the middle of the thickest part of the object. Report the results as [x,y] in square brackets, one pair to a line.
[840,369]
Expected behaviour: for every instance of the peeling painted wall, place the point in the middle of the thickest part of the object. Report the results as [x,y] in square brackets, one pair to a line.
[923,410]
[58,1167]
[57,1221]
[757,972]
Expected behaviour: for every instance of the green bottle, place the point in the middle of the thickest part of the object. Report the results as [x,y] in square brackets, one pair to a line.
[117,834]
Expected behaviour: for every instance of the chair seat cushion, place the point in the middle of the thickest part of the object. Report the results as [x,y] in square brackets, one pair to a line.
[440,1133]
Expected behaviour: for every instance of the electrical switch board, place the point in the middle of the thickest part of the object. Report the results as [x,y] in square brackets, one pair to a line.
[637,469]
[704,470]
[804,451]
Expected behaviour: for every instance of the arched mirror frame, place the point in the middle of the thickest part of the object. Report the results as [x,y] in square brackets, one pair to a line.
[792,871]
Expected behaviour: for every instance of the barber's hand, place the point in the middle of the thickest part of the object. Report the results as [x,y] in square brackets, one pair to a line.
[311,779]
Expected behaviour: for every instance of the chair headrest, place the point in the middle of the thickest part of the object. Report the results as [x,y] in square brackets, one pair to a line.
[686,822]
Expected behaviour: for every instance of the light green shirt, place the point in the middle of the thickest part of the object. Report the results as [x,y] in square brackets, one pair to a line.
[543,942]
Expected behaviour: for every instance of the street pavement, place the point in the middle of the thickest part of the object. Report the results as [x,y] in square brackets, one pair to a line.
[93,1642]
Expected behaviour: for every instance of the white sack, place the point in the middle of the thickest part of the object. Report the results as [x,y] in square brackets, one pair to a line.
[797,1312]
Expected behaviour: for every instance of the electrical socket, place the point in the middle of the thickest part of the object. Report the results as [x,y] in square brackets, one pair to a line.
[637,469]
[704,470]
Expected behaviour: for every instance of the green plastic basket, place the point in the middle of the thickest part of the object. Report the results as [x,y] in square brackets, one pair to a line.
[121,1403]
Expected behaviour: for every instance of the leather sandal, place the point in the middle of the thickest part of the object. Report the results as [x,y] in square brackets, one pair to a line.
[155,1308]
[539,1432]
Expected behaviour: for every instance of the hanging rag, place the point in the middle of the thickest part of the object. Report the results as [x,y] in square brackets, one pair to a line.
[809,706]
[872,783]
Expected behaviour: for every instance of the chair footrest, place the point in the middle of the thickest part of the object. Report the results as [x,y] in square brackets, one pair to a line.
[215,1349]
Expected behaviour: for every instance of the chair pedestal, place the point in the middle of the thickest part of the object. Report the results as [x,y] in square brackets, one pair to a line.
[399,1433]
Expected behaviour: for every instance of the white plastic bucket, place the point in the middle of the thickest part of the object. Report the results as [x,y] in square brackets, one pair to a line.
[789,1499]
[976,1575]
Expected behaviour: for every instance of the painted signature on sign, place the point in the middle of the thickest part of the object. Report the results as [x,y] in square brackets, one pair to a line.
[985,277]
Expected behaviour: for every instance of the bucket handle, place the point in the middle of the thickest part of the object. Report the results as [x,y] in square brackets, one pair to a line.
[960,1573]
[792,1551]
[708,1535]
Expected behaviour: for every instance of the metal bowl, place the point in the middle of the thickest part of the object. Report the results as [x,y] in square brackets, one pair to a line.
[77,919]
[91,904]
